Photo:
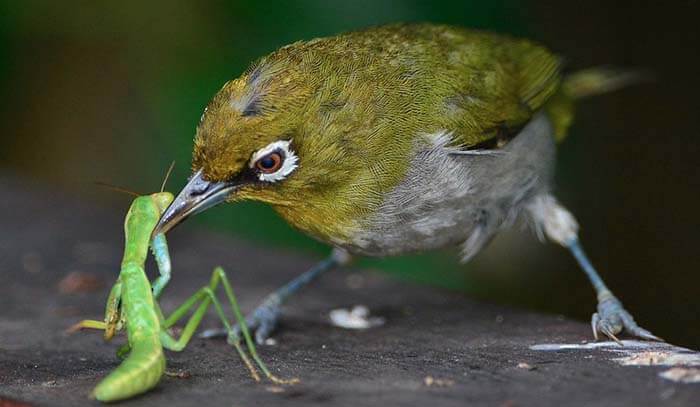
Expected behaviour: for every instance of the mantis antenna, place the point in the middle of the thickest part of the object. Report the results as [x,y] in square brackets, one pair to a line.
[129,191]
[167,175]
[116,188]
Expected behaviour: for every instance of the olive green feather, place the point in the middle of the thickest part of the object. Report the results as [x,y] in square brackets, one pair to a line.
[355,105]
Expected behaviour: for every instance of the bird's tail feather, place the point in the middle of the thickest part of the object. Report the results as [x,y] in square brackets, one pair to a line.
[599,80]
[581,84]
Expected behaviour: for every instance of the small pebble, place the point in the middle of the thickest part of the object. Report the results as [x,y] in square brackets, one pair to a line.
[180,374]
[431,381]
[527,366]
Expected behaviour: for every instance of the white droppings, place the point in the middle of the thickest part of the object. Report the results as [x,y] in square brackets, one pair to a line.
[597,345]
[682,375]
[660,358]
[356,318]
[642,353]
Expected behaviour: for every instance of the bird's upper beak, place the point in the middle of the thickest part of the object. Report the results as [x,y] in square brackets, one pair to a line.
[197,196]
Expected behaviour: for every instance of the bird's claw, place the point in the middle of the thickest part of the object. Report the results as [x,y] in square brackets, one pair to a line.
[262,321]
[612,318]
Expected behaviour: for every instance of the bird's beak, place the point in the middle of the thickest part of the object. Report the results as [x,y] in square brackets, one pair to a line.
[197,196]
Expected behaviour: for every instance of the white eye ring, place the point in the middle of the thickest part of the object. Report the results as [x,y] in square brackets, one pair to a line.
[289,160]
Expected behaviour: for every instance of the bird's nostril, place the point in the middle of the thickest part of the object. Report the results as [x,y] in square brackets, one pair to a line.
[199,188]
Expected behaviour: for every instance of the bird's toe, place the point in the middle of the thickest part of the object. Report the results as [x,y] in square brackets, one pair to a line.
[612,319]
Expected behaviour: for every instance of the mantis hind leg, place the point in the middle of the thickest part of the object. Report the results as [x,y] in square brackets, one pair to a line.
[205,296]
[220,276]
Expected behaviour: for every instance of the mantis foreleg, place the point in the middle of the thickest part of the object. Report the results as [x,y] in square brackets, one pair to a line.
[112,311]
[159,246]
[112,315]
[87,324]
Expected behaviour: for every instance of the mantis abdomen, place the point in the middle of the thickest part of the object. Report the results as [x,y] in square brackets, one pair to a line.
[140,372]
[145,365]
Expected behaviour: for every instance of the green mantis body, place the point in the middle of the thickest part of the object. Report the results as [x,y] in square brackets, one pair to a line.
[132,305]
[145,364]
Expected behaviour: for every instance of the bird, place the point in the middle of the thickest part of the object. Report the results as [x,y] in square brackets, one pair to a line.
[398,139]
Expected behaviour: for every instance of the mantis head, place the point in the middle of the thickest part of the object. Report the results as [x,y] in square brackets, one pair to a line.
[162,200]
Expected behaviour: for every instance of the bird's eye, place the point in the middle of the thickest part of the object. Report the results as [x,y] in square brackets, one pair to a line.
[274,162]
[270,163]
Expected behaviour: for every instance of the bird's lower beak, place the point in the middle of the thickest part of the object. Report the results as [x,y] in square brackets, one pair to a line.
[197,196]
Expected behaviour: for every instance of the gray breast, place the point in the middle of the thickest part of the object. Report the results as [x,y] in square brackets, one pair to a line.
[450,196]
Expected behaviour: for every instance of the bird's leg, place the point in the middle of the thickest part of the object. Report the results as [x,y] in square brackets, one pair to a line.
[264,318]
[611,317]
[561,227]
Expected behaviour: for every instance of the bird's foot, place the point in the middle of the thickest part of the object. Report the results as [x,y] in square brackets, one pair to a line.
[262,322]
[612,318]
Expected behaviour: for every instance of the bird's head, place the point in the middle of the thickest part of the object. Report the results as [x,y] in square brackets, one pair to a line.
[309,129]
[246,144]
[278,134]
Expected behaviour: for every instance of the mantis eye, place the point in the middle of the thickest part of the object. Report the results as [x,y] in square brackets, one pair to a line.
[274,162]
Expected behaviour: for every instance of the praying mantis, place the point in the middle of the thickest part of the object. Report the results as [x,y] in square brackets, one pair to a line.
[132,304]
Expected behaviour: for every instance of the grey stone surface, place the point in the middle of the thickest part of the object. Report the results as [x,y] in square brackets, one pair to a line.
[472,349]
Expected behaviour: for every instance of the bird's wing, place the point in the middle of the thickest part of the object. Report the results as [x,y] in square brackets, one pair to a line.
[501,83]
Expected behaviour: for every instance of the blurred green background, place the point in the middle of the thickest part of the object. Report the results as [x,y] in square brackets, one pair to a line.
[112,91]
